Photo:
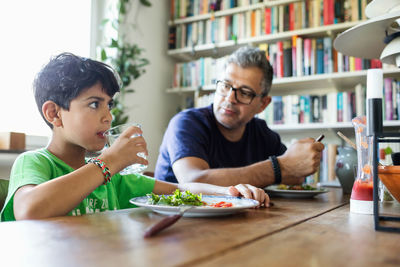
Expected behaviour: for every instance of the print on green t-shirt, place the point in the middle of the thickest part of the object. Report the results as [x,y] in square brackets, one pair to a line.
[36,167]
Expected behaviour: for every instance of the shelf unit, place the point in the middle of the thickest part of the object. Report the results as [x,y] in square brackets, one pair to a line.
[227,47]
[230,11]
[319,126]
[315,84]
[312,82]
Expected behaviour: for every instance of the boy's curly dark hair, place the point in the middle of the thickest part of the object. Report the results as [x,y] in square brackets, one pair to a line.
[67,75]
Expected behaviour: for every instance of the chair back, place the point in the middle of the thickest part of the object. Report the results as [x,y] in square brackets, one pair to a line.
[3,191]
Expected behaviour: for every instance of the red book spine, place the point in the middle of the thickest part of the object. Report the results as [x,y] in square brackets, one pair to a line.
[332,11]
[376,64]
[279,59]
[267,20]
[291,17]
[358,62]
[328,12]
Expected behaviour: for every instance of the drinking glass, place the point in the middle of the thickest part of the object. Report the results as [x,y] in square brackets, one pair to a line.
[112,135]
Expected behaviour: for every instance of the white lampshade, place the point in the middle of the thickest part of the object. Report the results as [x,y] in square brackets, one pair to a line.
[365,40]
[381,7]
[391,53]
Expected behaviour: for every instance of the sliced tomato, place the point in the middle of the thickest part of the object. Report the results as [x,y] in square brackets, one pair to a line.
[222,204]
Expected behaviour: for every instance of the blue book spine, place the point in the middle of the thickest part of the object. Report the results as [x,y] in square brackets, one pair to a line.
[340,107]
[320,56]
[307,109]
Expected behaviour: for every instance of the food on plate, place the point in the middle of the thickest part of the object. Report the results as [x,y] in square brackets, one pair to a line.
[296,187]
[184,198]
[177,199]
[222,204]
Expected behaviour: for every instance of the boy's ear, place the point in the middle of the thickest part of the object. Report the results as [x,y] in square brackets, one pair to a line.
[50,111]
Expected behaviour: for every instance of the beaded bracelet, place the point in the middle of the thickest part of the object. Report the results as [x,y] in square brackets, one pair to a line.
[277,169]
[103,167]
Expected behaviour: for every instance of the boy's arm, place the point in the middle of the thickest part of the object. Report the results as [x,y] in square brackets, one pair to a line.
[58,196]
[245,190]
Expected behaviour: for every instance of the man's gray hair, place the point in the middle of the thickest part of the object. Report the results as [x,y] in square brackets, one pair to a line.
[248,56]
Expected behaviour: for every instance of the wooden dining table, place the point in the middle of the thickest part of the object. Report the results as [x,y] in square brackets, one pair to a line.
[318,231]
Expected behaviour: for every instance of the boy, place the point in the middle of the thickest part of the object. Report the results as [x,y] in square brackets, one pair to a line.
[74,96]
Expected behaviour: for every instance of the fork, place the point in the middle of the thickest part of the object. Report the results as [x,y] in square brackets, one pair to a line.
[166,222]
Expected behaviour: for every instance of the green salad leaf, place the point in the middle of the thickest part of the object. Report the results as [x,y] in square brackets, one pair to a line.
[296,187]
[177,199]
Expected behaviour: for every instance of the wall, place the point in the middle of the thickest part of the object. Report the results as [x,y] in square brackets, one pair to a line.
[7,159]
[150,105]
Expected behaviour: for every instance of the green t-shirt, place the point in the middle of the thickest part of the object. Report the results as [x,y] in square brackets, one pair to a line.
[36,167]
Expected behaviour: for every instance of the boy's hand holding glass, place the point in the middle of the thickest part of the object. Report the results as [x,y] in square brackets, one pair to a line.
[129,146]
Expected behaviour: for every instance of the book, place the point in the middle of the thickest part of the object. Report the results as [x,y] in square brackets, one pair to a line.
[328,68]
[287,59]
[394,100]
[294,56]
[320,56]
[388,99]
[299,56]
[279,59]
[172,38]
[360,99]
[267,20]
[315,108]
[307,56]
[278,109]
[340,107]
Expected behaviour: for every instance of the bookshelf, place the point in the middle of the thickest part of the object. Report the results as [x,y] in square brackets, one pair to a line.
[285,128]
[230,11]
[337,80]
[312,82]
[227,47]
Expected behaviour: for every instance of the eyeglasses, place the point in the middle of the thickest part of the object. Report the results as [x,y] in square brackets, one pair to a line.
[242,95]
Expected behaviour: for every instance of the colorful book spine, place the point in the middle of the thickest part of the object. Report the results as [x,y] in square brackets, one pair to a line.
[294,56]
[299,56]
[291,17]
[328,67]
[320,56]
[388,99]
[340,107]
[267,20]
[287,59]
[307,56]
[279,63]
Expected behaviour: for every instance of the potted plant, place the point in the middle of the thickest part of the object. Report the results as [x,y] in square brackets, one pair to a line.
[127,60]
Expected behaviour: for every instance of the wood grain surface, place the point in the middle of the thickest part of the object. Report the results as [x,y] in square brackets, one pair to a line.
[305,231]
[336,238]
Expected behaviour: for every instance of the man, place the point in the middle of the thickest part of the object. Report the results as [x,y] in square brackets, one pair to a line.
[224,144]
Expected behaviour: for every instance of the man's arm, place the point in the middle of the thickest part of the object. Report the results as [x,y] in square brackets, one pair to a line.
[300,160]
[192,169]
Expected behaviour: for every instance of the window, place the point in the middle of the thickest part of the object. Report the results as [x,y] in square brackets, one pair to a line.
[32,32]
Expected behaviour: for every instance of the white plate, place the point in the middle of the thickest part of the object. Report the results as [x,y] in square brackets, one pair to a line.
[273,191]
[239,204]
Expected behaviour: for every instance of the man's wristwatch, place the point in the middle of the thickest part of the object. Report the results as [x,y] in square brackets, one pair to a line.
[277,170]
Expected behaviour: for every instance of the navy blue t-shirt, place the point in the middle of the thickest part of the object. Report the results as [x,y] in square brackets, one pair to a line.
[194,133]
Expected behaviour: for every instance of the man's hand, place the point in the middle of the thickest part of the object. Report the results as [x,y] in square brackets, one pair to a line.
[300,160]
